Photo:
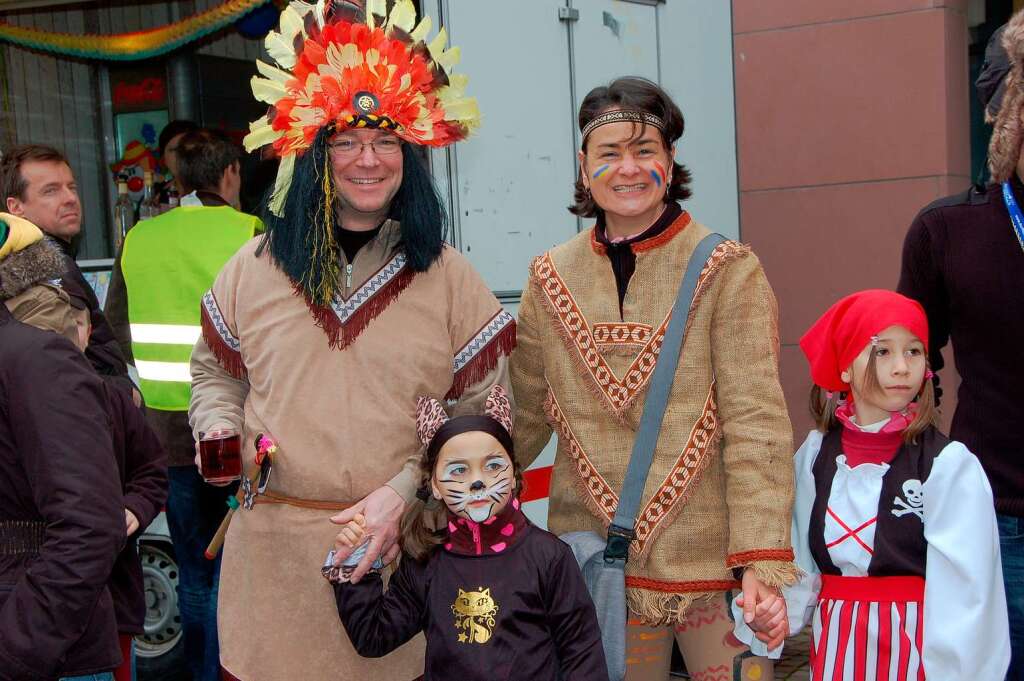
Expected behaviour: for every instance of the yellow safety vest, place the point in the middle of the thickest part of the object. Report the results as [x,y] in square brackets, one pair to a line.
[168,263]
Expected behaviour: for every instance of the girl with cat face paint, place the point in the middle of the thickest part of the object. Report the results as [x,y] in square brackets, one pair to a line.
[496,597]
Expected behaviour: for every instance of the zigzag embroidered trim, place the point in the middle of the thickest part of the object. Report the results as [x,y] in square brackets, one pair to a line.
[479,356]
[618,395]
[346,318]
[224,345]
[345,308]
[674,490]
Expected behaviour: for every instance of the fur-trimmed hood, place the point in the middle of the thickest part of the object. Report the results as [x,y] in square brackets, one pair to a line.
[39,263]
[1004,149]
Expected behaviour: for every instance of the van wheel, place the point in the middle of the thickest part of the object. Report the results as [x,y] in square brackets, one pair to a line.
[160,652]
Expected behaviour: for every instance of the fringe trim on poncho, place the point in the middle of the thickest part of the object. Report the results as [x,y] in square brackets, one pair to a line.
[340,334]
[483,362]
[229,359]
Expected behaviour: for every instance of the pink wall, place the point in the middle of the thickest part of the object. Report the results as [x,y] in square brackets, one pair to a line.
[851,116]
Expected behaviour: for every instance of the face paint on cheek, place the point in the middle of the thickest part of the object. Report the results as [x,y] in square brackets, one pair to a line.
[658,174]
[601,171]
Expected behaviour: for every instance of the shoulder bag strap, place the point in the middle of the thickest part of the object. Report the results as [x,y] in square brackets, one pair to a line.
[622,529]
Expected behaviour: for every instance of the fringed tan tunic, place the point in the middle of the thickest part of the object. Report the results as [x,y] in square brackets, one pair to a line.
[340,398]
[720,488]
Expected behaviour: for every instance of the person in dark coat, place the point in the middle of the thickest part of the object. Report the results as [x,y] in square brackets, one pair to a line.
[142,463]
[62,520]
[37,184]
[496,596]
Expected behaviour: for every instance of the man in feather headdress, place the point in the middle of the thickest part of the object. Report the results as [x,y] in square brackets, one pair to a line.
[322,333]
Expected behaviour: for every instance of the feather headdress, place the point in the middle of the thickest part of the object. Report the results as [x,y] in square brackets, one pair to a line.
[344,67]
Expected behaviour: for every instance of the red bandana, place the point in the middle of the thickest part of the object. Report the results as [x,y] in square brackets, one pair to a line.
[835,340]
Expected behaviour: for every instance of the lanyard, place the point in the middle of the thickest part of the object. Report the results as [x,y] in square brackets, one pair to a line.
[1016,217]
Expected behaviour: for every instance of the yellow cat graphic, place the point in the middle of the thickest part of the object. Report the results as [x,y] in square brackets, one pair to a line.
[474,615]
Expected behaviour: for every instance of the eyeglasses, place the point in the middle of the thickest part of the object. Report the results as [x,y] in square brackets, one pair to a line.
[350,148]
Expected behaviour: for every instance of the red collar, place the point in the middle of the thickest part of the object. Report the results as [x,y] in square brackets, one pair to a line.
[860,446]
[468,538]
[642,242]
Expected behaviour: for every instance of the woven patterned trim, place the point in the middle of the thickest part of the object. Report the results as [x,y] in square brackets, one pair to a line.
[479,356]
[346,318]
[680,587]
[617,395]
[593,489]
[345,308]
[224,345]
[630,116]
[479,341]
[678,485]
[745,558]
[219,324]
[674,490]
[649,243]
[621,333]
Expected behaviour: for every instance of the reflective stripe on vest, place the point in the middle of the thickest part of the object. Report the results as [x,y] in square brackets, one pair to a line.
[168,263]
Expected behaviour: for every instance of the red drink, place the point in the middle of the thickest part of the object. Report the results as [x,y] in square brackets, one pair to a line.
[220,455]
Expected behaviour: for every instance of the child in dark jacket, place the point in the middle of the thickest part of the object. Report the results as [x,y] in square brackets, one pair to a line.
[497,597]
[142,465]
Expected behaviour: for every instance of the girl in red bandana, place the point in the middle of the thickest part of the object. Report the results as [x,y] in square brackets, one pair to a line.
[496,596]
[893,524]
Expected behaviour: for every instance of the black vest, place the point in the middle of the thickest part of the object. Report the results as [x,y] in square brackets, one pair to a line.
[900,547]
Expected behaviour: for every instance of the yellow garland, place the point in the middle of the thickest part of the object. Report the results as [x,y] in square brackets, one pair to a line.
[132,46]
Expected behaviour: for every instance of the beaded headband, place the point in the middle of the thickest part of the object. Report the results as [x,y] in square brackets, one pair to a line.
[620,116]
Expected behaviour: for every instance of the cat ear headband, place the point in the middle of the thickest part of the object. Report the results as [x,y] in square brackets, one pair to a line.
[430,414]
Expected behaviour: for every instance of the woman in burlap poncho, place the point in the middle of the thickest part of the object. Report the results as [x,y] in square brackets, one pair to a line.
[715,513]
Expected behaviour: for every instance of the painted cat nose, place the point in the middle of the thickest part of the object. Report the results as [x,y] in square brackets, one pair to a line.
[476,486]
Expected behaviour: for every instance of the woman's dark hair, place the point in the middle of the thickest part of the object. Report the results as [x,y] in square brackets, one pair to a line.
[293,237]
[418,536]
[637,94]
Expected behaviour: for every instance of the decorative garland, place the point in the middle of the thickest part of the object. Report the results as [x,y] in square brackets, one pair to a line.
[131,46]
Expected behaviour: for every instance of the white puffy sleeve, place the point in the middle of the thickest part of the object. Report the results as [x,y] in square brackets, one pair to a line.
[802,597]
[966,632]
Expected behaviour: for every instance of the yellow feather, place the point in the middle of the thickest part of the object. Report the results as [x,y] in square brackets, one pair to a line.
[449,58]
[378,7]
[436,46]
[267,90]
[465,110]
[260,133]
[281,185]
[405,82]
[457,83]
[272,72]
[280,49]
[291,23]
[419,34]
[403,16]
[372,57]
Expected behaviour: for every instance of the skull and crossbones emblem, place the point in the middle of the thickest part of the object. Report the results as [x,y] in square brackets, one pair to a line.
[913,491]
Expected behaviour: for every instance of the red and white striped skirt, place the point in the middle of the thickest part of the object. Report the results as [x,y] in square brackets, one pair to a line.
[868,629]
